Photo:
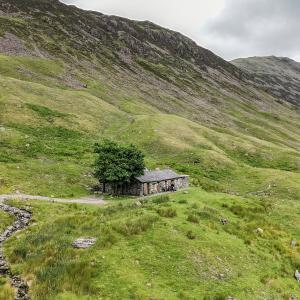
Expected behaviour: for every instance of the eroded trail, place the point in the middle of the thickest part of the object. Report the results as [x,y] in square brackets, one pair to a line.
[93,200]
[23,218]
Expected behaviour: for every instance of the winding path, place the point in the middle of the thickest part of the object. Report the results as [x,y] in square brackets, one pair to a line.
[93,200]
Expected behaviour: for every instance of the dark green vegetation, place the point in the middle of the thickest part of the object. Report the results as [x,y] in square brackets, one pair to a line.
[157,251]
[117,164]
[70,78]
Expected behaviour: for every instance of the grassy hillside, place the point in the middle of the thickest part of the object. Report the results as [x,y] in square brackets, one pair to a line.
[48,131]
[169,248]
[69,78]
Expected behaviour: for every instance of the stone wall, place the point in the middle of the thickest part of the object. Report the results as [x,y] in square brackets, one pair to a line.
[140,189]
[134,189]
[164,186]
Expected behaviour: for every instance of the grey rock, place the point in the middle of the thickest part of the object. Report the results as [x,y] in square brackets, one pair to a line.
[84,243]
[293,243]
[297,275]
[280,76]
[259,231]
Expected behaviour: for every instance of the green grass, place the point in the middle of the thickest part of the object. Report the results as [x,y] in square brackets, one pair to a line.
[48,131]
[6,220]
[141,253]
[6,292]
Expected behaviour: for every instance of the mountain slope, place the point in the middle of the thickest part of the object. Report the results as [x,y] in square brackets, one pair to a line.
[280,76]
[71,77]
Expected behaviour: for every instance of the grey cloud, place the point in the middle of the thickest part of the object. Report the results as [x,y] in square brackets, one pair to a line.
[256,27]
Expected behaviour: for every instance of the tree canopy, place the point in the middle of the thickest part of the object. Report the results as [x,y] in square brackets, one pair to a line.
[118,164]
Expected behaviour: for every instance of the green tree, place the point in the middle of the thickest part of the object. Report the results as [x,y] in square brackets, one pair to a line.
[117,164]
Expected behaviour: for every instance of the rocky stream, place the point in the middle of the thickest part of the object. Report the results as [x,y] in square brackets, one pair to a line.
[23,218]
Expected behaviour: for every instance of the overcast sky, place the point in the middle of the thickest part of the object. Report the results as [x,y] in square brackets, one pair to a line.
[230,28]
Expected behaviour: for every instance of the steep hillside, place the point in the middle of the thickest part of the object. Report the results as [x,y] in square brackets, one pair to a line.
[280,76]
[71,77]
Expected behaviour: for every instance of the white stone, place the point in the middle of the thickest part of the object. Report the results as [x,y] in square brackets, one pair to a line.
[259,231]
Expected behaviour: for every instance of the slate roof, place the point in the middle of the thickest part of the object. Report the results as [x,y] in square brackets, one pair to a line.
[159,175]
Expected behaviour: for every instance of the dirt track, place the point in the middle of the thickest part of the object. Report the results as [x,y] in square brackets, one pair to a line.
[92,200]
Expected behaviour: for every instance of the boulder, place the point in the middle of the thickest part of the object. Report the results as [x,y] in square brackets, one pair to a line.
[259,231]
[138,204]
[297,275]
[293,243]
[84,243]
[224,221]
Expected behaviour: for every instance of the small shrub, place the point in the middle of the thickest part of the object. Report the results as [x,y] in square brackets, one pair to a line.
[193,218]
[74,206]
[6,292]
[194,206]
[216,297]
[167,212]
[135,226]
[191,235]
[184,296]
[161,199]
[108,238]
[208,213]
[19,253]
[182,201]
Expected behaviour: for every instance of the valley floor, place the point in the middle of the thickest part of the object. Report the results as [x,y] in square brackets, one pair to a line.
[170,247]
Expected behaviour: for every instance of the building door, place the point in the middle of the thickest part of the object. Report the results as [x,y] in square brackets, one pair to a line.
[146,189]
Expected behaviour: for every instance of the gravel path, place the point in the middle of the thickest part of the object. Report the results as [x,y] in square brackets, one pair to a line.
[93,200]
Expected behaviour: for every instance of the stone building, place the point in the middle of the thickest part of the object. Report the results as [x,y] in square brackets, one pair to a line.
[151,182]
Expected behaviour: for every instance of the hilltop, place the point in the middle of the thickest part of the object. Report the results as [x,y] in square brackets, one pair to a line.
[280,76]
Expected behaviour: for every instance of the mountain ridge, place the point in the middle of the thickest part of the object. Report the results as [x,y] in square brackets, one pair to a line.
[280,76]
